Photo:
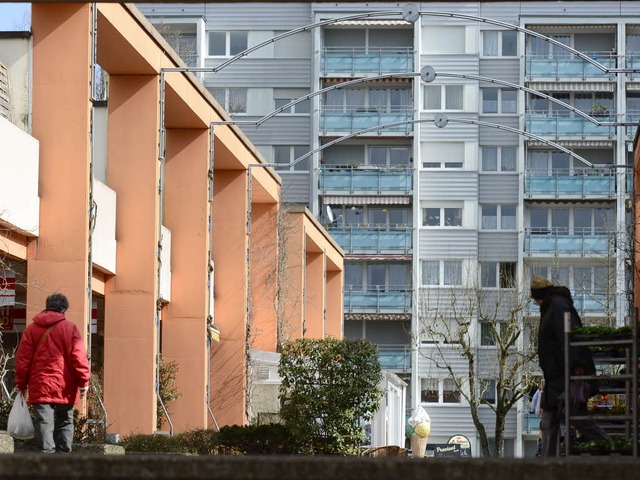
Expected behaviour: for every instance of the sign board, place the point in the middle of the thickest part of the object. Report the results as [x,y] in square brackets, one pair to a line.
[463,442]
[446,450]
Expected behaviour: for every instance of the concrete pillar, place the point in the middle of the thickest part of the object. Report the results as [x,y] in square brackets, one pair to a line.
[229,247]
[293,326]
[130,296]
[264,276]
[58,260]
[186,212]
[315,295]
[334,304]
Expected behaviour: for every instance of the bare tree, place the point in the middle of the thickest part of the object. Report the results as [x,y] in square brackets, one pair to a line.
[478,337]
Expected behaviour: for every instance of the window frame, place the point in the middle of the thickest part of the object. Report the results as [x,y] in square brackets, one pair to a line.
[442,216]
[292,157]
[499,280]
[227,97]
[227,43]
[442,392]
[500,101]
[443,98]
[442,271]
[499,156]
[499,217]
[501,43]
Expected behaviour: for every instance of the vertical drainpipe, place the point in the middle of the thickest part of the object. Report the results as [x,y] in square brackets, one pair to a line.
[210,278]
[158,319]
[93,207]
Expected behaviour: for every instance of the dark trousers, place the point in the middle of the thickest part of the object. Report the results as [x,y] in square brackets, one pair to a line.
[53,427]
[550,425]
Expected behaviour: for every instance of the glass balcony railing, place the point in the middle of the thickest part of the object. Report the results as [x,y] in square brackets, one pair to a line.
[632,116]
[562,241]
[589,303]
[353,119]
[366,179]
[378,60]
[395,357]
[530,423]
[564,125]
[583,183]
[377,300]
[377,239]
[567,65]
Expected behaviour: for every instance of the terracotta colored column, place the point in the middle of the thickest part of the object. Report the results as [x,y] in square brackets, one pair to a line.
[184,335]
[130,296]
[293,295]
[229,247]
[264,274]
[334,304]
[314,295]
[58,259]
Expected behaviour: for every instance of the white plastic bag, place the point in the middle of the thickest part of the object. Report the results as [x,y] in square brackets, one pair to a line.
[20,425]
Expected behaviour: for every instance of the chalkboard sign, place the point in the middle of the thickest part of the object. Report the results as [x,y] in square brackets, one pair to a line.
[446,450]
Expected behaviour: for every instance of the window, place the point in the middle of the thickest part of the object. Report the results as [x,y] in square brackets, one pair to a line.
[498,217]
[443,97]
[226,44]
[597,104]
[233,100]
[497,274]
[388,156]
[389,277]
[442,217]
[488,391]
[441,272]
[282,98]
[284,155]
[374,100]
[499,100]
[500,43]
[434,390]
[443,154]
[487,337]
[499,159]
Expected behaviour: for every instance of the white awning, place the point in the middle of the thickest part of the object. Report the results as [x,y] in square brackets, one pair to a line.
[384,23]
[572,86]
[573,143]
[377,200]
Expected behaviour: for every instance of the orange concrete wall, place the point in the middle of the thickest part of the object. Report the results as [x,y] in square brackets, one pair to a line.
[335,304]
[184,336]
[293,292]
[58,259]
[264,265]
[229,248]
[130,300]
[315,295]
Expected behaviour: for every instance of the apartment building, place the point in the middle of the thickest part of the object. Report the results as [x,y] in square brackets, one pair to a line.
[131,203]
[516,184]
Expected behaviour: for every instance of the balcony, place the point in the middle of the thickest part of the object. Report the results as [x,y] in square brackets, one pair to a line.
[379,299]
[566,65]
[345,120]
[632,116]
[566,184]
[374,239]
[395,357]
[530,423]
[368,179]
[564,125]
[371,60]
[555,242]
[586,303]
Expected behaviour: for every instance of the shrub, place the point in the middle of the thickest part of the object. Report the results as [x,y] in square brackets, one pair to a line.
[5,408]
[202,441]
[270,439]
[153,444]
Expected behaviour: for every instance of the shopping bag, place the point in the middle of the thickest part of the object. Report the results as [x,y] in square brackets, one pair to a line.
[20,425]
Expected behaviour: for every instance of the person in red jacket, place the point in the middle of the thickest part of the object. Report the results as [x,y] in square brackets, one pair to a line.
[52,363]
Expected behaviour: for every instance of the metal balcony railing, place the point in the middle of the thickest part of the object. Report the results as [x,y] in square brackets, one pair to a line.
[563,124]
[366,179]
[377,299]
[374,239]
[374,60]
[395,357]
[568,242]
[351,119]
[560,183]
[565,65]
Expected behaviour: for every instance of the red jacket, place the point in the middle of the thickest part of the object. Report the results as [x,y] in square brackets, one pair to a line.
[59,367]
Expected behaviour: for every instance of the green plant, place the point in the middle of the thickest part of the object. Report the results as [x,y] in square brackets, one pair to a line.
[153,444]
[270,439]
[168,389]
[328,387]
[602,330]
[91,428]
[201,441]
[5,408]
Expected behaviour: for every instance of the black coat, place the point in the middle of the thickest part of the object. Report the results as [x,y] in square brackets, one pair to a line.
[551,344]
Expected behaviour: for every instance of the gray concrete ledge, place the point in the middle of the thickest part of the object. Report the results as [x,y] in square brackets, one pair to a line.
[132,467]
[6,442]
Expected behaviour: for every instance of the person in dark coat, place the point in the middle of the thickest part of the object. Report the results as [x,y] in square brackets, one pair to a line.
[554,302]
[52,363]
